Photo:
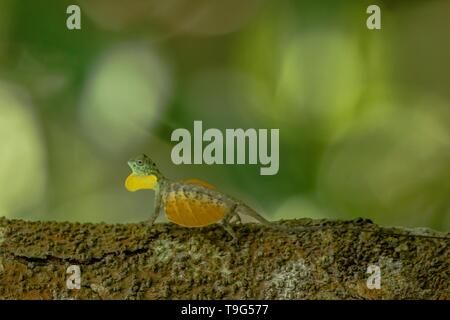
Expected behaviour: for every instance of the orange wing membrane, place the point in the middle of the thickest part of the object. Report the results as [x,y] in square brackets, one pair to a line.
[195,212]
[199,182]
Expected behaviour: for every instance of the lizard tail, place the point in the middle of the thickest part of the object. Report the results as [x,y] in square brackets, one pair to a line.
[245,209]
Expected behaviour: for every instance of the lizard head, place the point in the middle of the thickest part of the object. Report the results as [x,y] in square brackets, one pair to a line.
[143,166]
[144,174]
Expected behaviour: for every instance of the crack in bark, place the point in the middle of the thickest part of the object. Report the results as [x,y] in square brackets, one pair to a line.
[51,259]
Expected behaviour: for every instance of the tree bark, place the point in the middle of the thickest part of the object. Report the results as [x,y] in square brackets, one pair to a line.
[131,261]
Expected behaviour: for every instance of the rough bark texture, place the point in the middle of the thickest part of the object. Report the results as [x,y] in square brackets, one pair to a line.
[169,262]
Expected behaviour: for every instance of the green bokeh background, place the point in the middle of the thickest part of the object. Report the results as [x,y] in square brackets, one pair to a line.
[364,116]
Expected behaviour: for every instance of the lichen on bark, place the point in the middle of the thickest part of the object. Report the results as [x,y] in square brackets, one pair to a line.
[130,261]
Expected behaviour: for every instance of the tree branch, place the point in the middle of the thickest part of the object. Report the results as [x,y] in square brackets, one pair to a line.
[169,262]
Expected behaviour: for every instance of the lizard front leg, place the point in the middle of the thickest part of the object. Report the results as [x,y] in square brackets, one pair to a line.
[156,208]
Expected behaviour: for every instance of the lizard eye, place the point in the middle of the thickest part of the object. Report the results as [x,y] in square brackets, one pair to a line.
[139,162]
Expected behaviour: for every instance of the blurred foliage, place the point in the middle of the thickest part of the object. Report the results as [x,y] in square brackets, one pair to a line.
[364,116]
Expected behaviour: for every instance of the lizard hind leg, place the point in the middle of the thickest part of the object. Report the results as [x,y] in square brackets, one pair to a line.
[246,210]
[226,223]
[237,218]
[228,228]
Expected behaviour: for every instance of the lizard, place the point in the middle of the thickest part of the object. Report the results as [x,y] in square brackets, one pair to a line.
[195,203]
[189,203]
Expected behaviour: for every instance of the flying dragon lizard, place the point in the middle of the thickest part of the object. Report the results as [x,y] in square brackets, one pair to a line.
[195,203]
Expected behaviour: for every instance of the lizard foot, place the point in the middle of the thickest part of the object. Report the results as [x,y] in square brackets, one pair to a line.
[235,219]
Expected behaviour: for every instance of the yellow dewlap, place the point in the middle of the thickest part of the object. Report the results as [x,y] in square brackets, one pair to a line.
[134,182]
